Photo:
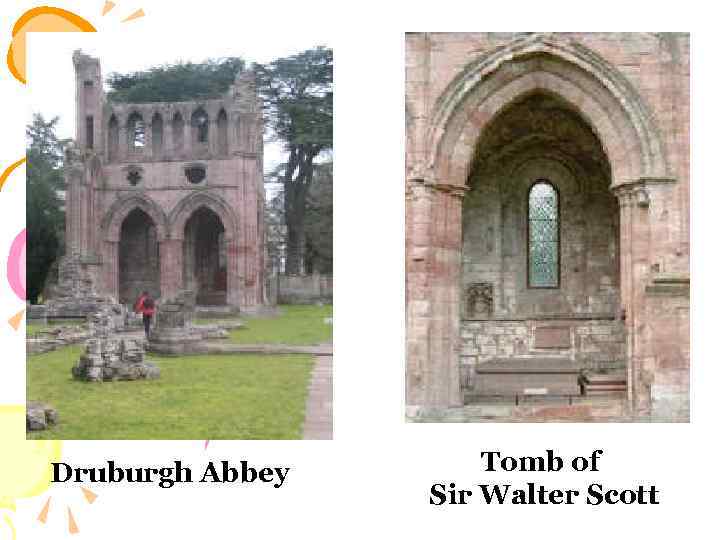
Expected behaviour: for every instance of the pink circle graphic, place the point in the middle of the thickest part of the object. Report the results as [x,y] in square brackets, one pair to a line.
[16,265]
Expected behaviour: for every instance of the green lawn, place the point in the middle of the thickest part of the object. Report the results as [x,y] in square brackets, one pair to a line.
[196,397]
[296,325]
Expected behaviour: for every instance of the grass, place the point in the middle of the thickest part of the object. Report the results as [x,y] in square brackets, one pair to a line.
[296,325]
[196,397]
[34,328]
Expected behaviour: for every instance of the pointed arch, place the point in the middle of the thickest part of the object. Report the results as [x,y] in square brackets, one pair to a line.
[114,217]
[136,132]
[564,68]
[200,124]
[187,206]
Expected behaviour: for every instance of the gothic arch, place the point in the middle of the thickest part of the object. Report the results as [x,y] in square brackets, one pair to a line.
[563,68]
[114,217]
[187,206]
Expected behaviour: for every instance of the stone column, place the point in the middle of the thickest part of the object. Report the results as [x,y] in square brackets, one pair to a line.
[111,269]
[433,294]
[235,279]
[188,145]
[624,196]
[634,270]
[171,267]
[148,148]
[212,136]
[168,142]
[123,143]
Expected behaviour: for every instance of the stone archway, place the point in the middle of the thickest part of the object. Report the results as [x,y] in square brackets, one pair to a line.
[539,268]
[204,215]
[437,182]
[147,215]
[138,257]
[205,258]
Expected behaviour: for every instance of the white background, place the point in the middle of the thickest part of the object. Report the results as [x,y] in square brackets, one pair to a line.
[373,480]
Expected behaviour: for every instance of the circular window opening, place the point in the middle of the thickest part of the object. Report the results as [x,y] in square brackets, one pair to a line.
[195,175]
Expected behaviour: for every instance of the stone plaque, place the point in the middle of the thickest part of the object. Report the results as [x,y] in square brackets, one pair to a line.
[552,337]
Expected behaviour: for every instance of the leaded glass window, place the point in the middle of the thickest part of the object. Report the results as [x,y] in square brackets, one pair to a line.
[543,236]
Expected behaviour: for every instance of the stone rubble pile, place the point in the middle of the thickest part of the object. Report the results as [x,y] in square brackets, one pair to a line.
[55,338]
[114,358]
[39,416]
[74,294]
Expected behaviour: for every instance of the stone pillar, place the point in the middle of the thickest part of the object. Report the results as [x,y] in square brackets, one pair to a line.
[212,136]
[168,142]
[171,267]
[624,196]
[111,269]
[232,133]
[147,150]
[188,146]
[70,215]
[433,294]
[123,143]
[235,279]
[634,270]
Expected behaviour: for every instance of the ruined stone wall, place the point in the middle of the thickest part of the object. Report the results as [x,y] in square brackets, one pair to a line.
[494,249]
[167,160]
[304,289]
[590,342]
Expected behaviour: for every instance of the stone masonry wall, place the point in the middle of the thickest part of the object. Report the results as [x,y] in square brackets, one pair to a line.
[495,249]
[167,160]
[591,343]
[633,90]
[304,289]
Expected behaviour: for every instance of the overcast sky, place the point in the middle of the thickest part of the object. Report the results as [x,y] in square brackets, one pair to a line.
[52,81]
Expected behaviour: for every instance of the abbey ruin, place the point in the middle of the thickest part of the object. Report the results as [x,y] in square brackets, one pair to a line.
[164,197]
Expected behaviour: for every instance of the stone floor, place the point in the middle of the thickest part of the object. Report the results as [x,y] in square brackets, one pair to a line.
[319,404]
[539,409]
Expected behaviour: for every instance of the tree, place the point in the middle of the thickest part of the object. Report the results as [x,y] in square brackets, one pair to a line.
[298,97]
[45,217]
[319,222]
[275,230]
[182,81]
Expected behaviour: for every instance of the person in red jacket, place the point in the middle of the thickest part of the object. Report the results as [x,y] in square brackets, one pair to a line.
[145,305]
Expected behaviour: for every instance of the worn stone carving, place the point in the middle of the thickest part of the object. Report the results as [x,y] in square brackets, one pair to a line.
[479,300]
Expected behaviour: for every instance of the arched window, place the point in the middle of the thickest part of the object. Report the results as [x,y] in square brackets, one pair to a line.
[136,132]
[222,129]
[543,236]
[200,124]
[113,138]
